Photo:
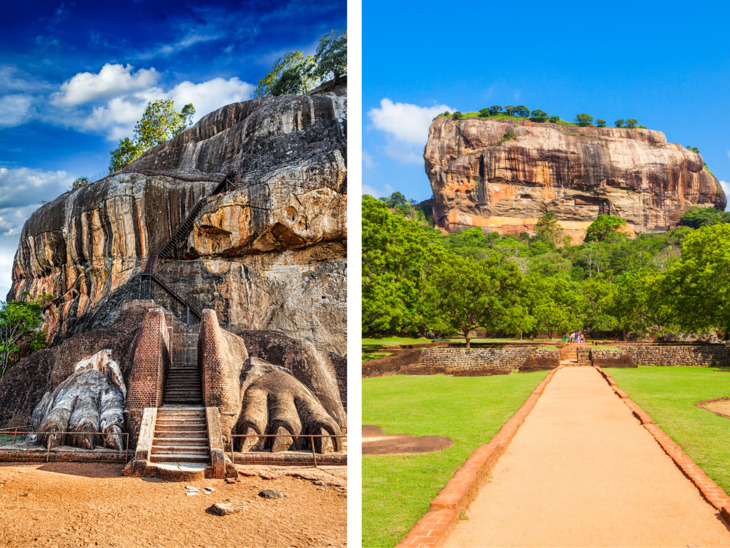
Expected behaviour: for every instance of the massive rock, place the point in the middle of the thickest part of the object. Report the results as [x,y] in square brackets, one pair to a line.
[267,252]
[480,179]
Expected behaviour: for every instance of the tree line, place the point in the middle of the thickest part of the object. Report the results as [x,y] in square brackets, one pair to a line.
[538,115]
[417,280]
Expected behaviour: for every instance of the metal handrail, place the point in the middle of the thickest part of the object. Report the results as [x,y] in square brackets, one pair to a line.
[16,431]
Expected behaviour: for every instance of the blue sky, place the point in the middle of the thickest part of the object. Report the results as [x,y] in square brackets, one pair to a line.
[75,76]
[666,63]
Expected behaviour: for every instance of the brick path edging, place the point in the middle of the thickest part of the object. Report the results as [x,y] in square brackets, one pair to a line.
[712,492]
[443,515]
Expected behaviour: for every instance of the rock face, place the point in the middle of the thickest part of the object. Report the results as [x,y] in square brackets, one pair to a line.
[479,179]
[265,252]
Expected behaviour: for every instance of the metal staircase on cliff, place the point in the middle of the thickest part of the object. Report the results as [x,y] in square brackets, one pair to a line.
[148,277]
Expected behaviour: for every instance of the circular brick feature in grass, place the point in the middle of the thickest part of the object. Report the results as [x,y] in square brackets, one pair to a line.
[719,407]
[376,442]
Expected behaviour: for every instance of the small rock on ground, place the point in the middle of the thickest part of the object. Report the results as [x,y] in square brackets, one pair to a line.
[224,508]
[271,494]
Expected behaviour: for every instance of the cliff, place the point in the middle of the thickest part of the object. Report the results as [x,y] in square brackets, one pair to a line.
[479,178]
[267,251]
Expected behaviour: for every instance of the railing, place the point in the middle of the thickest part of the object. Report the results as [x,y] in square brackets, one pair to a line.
[310,436]
[15,432]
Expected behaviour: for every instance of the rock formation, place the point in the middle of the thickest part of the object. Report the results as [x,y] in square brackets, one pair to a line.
[88,402]
[267,252]
[479,178]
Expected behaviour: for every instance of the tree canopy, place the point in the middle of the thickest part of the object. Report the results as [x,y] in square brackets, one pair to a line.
[417,280]
[159,123]
[20,329]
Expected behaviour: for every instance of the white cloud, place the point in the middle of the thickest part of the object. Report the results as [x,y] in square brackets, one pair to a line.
[14,109]
[367,160]
[211,95]
[405,122]
[726,187]
[21,190]
[113,100]
[110,81]
[181,45]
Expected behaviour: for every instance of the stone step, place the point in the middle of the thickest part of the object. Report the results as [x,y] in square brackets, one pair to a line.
[170,421]
[178,457]
[183,401]
[182,435]
[161,448]
[181,425]
[181,409]
[176,441]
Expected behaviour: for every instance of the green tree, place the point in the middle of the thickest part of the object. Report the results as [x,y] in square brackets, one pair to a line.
[583,119]
[538,115]
[485,113]
[547,229]
[697,217]
[693,149]
[292,74]
[79,182]
[619,122]
[632,123]
[495,109]
[395,199]
[20,326]
[604,228]
[601,123]
[457,115]
[509,109]
[556,305]
[554,119]
[697,287]
[522,111]
[159,123]
[331,56]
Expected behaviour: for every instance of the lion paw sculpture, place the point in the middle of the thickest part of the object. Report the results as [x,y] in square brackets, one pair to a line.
[90,400]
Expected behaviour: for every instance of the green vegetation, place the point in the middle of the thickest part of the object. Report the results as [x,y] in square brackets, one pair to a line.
[669,395]
[79,182]
[367,356]
[419,281]
[159,123]
[398,489]
[20,329]
[297,74]
[522,112]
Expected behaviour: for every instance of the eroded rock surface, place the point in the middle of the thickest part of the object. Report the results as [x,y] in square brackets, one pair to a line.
[576,172]
[89,402]
[266,253]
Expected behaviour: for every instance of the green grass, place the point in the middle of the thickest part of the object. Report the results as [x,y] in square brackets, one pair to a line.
[504,340]
[367,356]
[669,395]
[604,347]
[397,490]
[500,116]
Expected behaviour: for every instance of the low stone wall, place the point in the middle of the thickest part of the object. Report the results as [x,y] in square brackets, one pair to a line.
[390,365]
[692,355]
[486,361]
[612,358]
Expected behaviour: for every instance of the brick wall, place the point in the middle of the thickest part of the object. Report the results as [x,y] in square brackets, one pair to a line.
[481,361]
[220,356]
[693,355]
[147,376]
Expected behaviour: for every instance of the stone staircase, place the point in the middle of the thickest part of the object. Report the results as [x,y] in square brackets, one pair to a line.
[181,430]
[182,383]
[569,355]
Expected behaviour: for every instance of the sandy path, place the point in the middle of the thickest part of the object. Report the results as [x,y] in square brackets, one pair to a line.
[67,504]
[583,472]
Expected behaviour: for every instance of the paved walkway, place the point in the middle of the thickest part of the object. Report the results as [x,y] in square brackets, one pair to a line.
[583,472]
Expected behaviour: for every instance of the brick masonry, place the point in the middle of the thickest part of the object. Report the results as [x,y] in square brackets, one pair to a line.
[712,492]
[443,515]
[693,355]
[483,361]
[147,376]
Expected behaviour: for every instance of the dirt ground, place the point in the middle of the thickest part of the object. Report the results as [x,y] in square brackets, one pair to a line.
[71,504]
[719,407]
[582,471]
[376,442]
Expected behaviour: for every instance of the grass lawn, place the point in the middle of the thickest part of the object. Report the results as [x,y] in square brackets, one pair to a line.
[669,395]
[397,490]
